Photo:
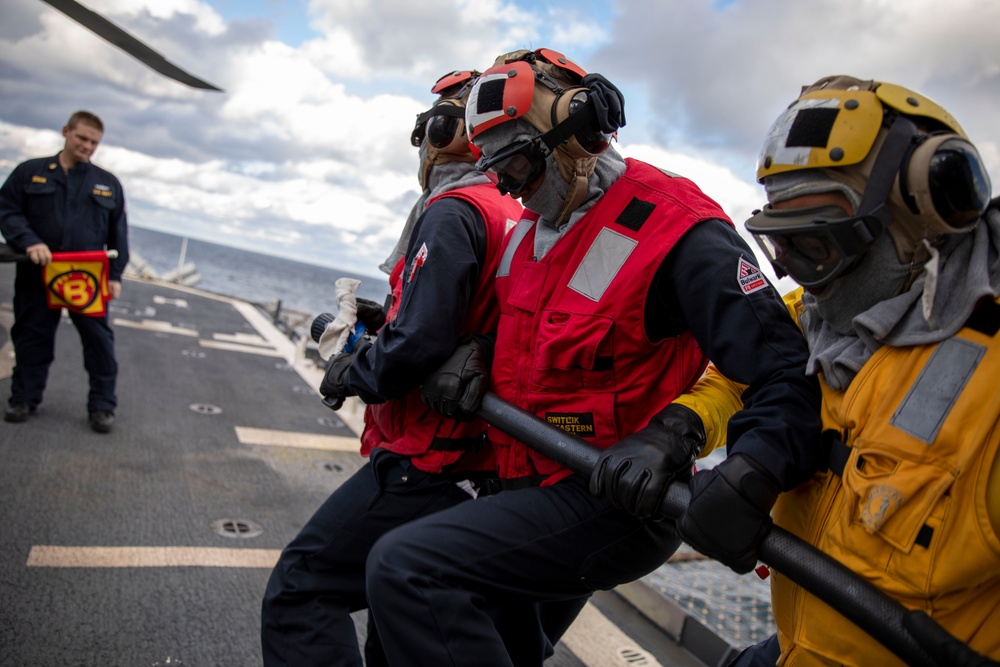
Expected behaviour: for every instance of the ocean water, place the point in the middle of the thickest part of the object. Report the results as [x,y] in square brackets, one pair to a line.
[254,277]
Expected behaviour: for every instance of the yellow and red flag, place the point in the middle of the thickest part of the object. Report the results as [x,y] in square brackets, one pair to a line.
[78,281]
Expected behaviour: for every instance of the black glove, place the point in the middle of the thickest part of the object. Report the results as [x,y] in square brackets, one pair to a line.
[334,387]
[609,103]
[634,473]
[370,314]
[945,649]
[456,388]
[730,511]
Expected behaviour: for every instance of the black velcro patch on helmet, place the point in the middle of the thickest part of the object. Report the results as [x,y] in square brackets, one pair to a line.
[491,96]
[812,127]
[635,214]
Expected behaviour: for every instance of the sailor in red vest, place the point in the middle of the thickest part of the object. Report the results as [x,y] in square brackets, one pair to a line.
[616,288]
[442,276]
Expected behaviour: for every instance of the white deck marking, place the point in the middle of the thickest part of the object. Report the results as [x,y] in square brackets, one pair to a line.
[154,325]
[180,303]
[236,347]
[262,436]
[267,330]
[242,339]
[294,353]
[598,642]
[51,556]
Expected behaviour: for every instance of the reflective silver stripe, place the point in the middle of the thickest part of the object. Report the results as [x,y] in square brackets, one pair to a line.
[938,386]
[516,236]
[601,264]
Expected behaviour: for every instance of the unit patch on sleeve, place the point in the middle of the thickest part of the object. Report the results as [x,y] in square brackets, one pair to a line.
[750,278]
[418,261]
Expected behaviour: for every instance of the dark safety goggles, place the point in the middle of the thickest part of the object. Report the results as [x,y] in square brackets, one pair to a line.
[439,124]
[813,245]
[516,165]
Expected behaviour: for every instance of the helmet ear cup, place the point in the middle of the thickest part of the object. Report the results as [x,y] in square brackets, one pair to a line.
[446,132]
[945,184]
[588,141]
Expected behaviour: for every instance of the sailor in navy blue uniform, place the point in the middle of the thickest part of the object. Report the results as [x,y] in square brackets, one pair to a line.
[62,203]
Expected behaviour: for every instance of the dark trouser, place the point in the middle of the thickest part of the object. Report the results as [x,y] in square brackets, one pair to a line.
[34,339]
[320,578]
[764,654]
[434,584]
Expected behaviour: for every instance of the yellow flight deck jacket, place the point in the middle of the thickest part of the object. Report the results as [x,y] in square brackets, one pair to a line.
[912,502]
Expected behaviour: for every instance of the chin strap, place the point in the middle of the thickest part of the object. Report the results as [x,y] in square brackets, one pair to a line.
[875,200]
[574,198]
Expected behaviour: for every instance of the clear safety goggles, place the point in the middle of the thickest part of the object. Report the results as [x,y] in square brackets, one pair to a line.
[516,166]
[813,245]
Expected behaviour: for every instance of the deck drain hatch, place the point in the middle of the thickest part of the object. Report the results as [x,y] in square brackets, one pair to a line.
[206,409]
[236,528]
[332,422]
[634,656]
[194,354]
[330,466]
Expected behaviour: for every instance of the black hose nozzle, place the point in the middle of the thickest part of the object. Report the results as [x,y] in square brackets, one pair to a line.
[319,325]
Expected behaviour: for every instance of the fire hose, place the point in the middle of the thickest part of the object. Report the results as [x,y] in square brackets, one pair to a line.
[856,599]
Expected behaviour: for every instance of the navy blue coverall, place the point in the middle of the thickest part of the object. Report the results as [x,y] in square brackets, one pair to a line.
[83,209]
[319,579]
[434,583]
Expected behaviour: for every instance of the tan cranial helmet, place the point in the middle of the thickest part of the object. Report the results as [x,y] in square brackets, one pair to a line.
[906,156]
[546,90]
[441,129]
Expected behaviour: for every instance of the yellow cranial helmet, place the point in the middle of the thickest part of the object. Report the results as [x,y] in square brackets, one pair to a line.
[835,121]
[906,157]
[841,122]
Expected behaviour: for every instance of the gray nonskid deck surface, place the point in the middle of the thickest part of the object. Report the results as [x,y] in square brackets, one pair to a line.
[735,607]
[161,478]
[165,477]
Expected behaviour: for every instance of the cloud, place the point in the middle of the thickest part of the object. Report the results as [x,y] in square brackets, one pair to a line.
[715,75]
[306,154]
[379,39]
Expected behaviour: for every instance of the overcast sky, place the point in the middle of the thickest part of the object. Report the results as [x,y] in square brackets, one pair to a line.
[306,154]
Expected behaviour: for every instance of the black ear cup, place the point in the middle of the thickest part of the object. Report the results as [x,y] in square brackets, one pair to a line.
[446,128]
[587,140]
[590,138]
[945,183]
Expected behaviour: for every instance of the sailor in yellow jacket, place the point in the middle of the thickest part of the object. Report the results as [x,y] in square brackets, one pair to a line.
[879,207]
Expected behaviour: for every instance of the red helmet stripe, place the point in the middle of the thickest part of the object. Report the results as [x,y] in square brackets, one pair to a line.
[451,79]
[559,60]
[502,93]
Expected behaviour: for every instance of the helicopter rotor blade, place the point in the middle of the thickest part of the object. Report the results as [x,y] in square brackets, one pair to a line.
[127,43]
